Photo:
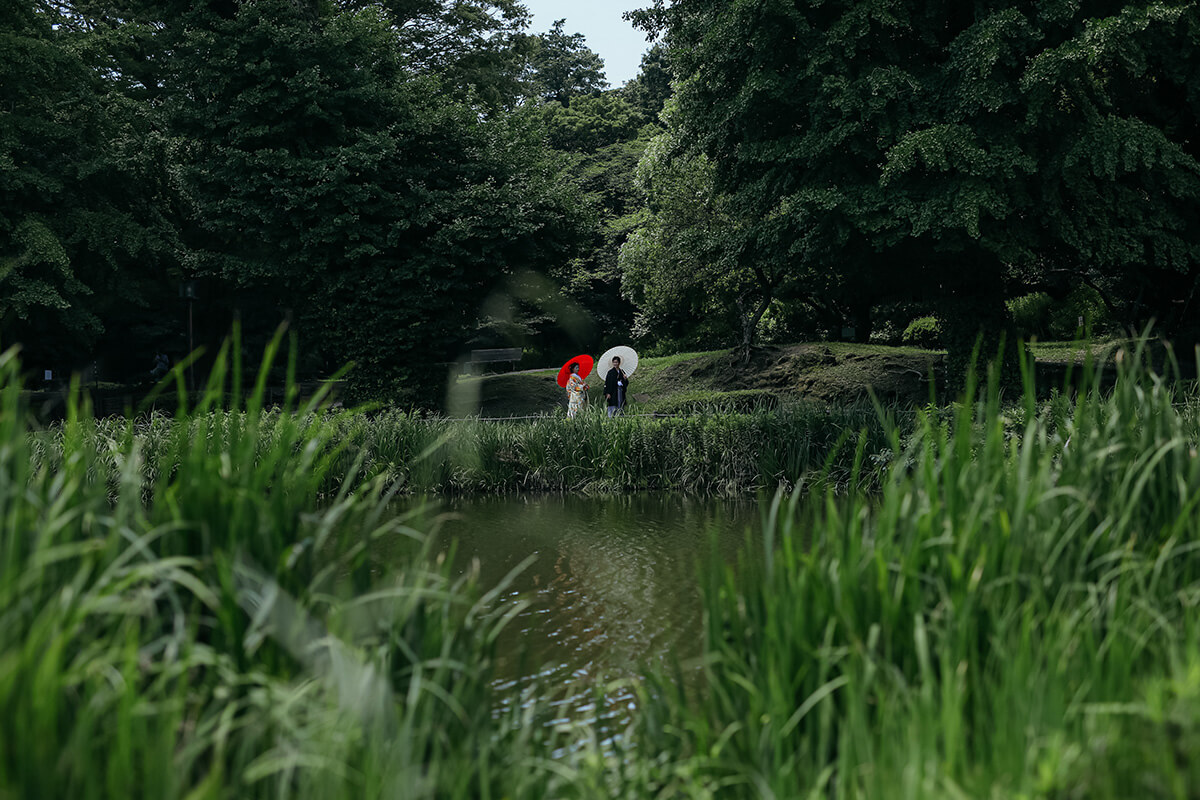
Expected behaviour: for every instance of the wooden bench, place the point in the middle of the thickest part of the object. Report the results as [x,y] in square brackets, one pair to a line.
[510,354]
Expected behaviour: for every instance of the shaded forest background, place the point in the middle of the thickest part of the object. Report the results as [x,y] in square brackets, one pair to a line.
[403,181]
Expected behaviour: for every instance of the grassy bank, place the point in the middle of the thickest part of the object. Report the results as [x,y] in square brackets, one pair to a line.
[820,373]
[717,453]
[830,373]
[721,453]
[1011,615]
[709,441]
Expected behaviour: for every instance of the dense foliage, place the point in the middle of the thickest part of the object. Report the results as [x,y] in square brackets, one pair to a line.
[407,180]
[606,135]
[955,154]
[219,627]
[1014,616]
[370,173]
[337,179]
[83,231]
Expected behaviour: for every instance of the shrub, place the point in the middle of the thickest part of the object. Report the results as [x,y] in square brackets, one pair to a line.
[887,333]
[923,332]
[1082,304]
[1031,314]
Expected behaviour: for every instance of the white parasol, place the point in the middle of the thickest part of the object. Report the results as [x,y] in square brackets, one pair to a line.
[629,360]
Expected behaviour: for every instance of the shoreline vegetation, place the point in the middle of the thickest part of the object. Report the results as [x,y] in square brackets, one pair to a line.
[699,436]
[720,453]
[1008,610]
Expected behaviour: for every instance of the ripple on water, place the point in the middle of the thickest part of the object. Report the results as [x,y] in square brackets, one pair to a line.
[613,587]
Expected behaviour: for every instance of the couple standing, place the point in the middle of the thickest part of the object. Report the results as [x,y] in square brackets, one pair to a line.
[616,386]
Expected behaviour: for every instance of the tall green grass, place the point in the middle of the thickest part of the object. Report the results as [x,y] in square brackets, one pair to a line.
[711,453]
[214,627]
[1014,615]
[718,453]
[1010,614]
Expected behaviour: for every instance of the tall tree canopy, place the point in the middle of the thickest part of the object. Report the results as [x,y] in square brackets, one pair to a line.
[473,46]
[650,89]
[82,234]
[605,135]
[564,67]
[960,152]
[331,170]
[369,171]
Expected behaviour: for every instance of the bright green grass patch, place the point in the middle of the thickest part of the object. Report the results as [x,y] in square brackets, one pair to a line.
[829,372]
[656,363]
[1076,352]
[738,401]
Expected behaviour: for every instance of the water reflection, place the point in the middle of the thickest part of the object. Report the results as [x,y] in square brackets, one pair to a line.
[613,585]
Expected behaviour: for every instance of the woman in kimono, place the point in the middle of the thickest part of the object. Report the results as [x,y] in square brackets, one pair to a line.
[576,390]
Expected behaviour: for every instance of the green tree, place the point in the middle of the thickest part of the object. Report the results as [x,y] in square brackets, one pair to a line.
[1116,110]
[563,67]
[956,153]
[650,89]
[476,48]
[605,135]
[328,175]
[687,265]
[593,279]
[83,240]
[591,123]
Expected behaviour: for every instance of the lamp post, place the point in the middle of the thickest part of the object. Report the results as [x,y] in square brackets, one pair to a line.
[188,291]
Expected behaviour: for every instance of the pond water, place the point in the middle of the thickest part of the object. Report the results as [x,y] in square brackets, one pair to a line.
[613,584]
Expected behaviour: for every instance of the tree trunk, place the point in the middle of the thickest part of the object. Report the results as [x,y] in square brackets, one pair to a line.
[750,322]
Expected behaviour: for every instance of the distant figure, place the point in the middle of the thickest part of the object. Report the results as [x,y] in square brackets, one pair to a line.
[576,391]
[616,384]
[162,365]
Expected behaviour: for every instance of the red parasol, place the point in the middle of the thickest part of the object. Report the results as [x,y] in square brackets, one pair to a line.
[585,366]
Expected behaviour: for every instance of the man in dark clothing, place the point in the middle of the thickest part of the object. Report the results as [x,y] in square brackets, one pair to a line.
[616,383]
[162,365]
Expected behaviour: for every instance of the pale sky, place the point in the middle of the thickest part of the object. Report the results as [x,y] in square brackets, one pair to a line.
[618,43]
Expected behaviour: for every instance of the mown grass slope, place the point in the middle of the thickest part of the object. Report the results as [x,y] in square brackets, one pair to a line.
[833,373]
